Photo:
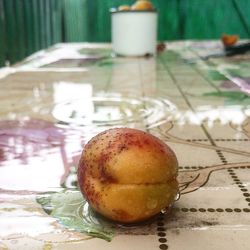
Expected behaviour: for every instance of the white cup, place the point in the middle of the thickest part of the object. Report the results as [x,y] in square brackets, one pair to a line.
[134,33]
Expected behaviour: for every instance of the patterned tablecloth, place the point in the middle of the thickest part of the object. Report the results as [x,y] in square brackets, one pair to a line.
[52,103]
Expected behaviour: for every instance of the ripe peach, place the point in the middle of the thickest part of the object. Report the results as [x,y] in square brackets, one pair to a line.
[128,175]
[142,5]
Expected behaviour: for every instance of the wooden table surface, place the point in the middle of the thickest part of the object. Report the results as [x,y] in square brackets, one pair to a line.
[53,102]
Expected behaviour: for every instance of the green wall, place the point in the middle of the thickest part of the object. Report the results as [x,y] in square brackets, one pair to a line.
[27,26]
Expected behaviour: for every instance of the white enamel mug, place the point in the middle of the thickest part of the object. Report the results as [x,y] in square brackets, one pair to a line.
[134,33]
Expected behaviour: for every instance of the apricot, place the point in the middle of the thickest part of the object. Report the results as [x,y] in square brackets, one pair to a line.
[142,5]
[128,175]
[124,7]
[229,40]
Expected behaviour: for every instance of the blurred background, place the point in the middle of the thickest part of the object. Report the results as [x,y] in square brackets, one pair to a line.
[27,26]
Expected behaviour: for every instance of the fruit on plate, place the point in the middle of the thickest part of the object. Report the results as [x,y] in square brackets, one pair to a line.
[128,175]
[142,5]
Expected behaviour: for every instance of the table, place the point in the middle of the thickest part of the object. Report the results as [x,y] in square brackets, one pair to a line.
[53,102]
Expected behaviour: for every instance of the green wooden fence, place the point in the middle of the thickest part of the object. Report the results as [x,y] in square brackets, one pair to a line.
[76,20]
[2,35]
[27,26]
[210,19]
[180,19]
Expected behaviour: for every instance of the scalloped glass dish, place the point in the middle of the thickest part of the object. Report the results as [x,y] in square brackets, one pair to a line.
[112,110]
